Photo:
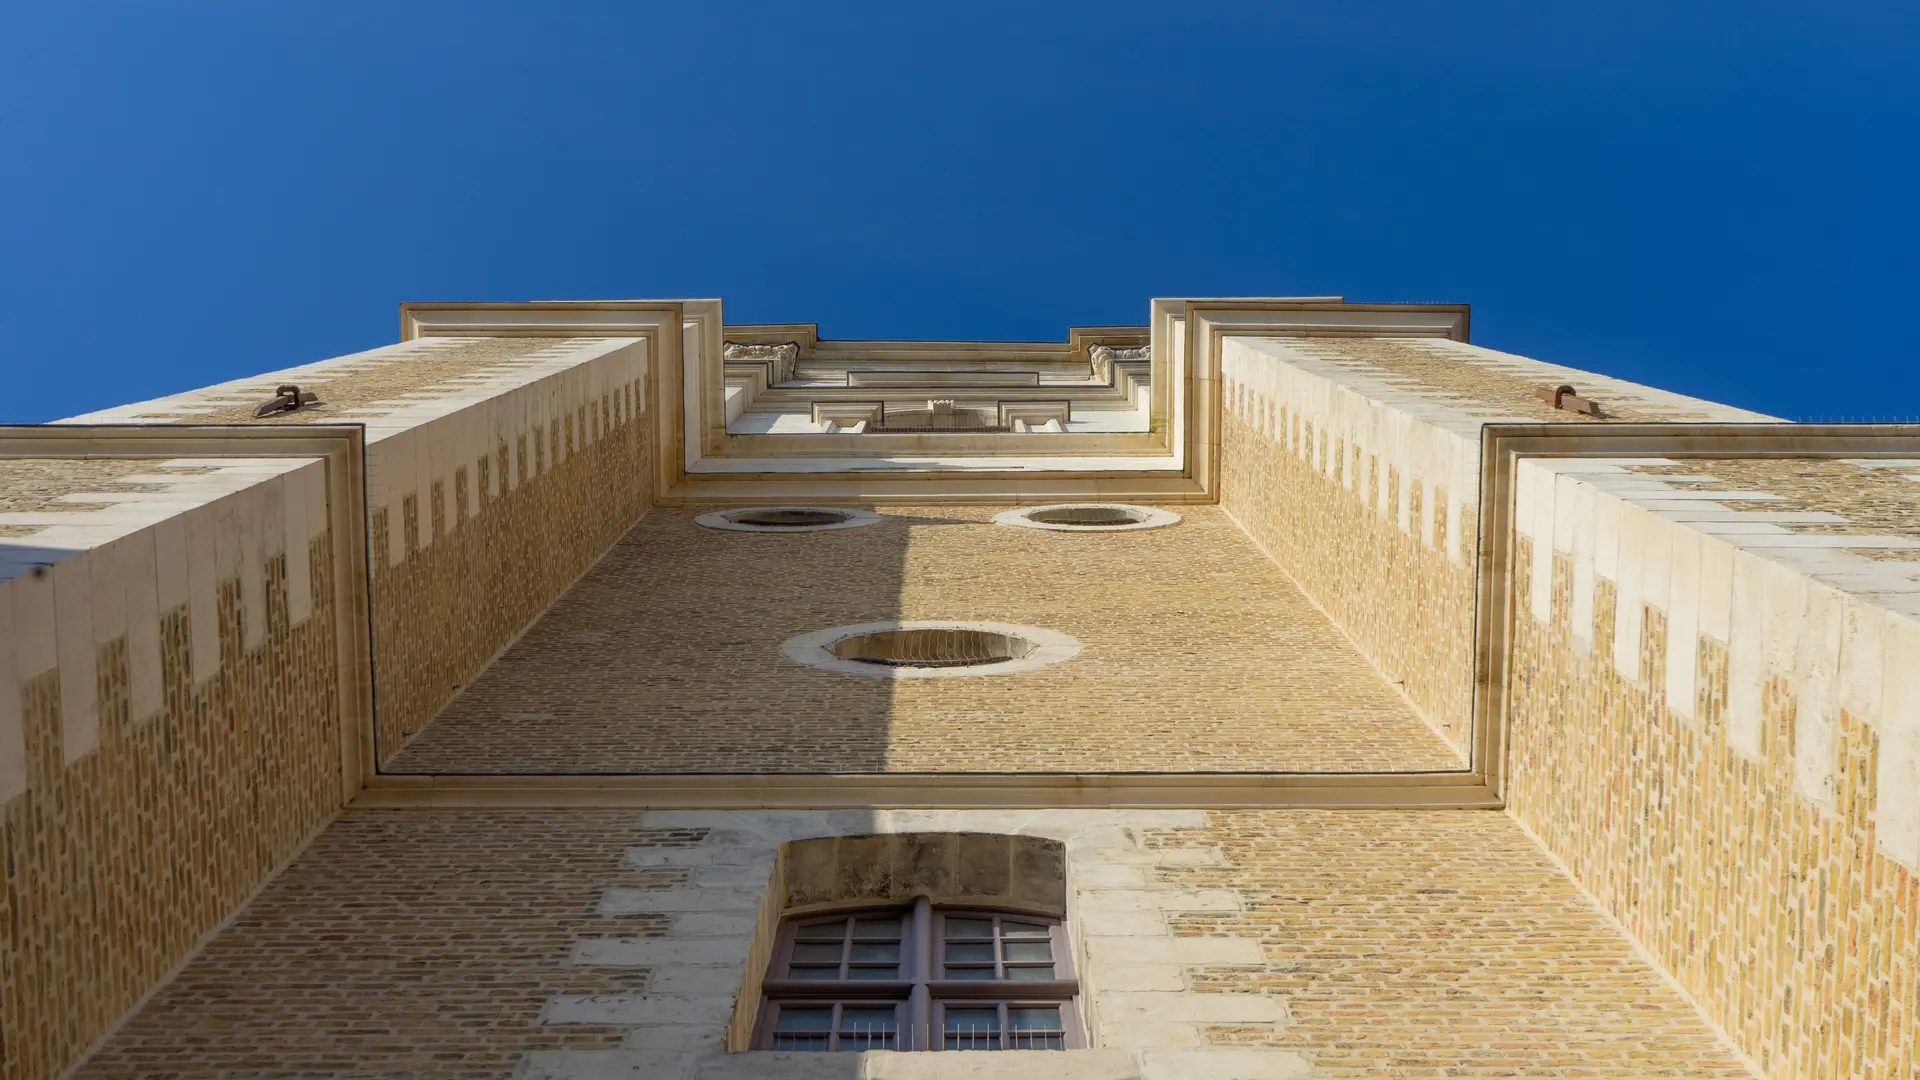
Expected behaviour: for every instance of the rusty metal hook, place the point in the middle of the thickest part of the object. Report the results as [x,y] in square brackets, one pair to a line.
[287,398]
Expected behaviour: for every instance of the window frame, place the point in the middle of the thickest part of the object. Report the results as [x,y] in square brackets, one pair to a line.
[771,1021]
[923,991]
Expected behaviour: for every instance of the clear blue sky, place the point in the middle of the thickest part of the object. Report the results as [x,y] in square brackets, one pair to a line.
[1716,198]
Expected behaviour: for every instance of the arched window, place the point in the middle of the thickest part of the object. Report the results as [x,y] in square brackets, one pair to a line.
[920,978]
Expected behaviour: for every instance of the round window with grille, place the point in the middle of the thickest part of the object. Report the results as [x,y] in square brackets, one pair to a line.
[788,519]
[1088,517]
[926,649]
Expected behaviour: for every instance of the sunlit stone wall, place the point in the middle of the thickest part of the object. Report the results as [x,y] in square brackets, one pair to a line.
[1716,726]
[169,727]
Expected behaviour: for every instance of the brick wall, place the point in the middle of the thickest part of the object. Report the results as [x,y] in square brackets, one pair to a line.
[1366,510]
[1199,656]
[498,469]
[1721,740]
[1355,463]
[466,554]
[170,729]
[119,858]
[1258,945]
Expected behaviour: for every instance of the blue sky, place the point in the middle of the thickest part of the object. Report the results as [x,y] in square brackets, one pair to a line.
[1716,198]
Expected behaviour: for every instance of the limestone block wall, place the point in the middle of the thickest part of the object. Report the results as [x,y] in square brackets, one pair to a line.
[1715,724]
[1355,463]
[169,722]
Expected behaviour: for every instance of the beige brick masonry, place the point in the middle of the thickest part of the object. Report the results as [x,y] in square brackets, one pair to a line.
[1199,656]
[1257,944]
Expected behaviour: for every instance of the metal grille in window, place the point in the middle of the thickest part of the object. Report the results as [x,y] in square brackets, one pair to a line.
[921,979]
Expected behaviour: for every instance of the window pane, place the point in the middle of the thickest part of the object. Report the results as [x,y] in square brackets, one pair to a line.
[1034,1018]
[817,951]
[888,951]
[1031,1028]
[798,971]
[1013,929]
[867,1029]
[1030,974]
[874,972]
[969,952]
[965,928]
[877,928]
[792,1019]
[1029,950]
[973,1029]
[827,931]
[802,1029]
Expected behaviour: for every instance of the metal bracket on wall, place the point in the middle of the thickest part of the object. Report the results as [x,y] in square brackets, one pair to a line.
[1567,398]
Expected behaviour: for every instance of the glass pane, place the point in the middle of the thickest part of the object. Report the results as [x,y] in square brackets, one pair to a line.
[888,951]
[874,972]
[867,1029]
[973,1029]
[970,973]
[1029,974]
[1029,950]
[1014,929]
[817,951]
[877,928]
[1035,1028]
[963,928]
[1033,1018]
[815,973]
[969,952]
[804,1019]
[802,1029]
[828,931]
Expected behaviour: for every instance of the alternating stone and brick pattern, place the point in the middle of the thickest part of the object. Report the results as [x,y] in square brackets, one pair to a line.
[1259,945]
[170,664]
[1354,462]
[1717,728]
[128,837]
[498,469]
[1713,732]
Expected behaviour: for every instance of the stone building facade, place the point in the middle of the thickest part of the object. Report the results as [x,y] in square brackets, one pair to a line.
[1282,688]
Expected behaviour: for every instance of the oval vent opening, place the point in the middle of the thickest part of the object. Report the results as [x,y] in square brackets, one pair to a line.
[1087,516]
[932,648]
[789,519]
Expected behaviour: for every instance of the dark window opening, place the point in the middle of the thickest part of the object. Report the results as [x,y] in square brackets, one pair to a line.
[920,978]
